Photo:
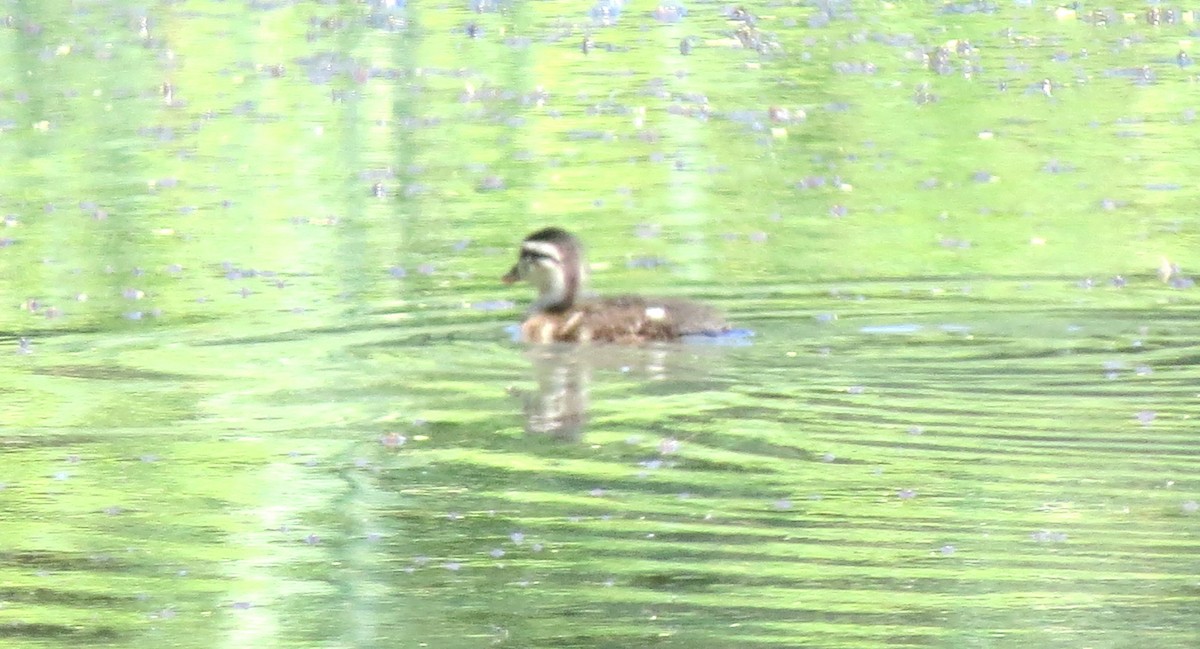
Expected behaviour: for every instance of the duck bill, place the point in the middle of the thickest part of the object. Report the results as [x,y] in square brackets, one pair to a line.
[511,276]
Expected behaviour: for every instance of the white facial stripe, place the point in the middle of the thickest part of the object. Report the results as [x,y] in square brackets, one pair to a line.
[542,248]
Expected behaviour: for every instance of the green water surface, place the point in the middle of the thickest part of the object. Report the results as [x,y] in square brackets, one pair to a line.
[259,387]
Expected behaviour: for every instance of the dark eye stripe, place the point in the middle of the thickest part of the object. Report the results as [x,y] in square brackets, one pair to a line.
[534,255]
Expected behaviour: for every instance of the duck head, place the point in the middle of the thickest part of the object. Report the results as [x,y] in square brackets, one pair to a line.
[551,259]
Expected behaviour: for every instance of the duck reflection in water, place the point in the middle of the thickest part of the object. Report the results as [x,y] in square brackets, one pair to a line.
[559,405]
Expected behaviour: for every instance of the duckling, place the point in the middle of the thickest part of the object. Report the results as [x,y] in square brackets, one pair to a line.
[552,260]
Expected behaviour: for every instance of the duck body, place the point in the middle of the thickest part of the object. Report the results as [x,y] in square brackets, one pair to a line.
[552,260]
[622,319]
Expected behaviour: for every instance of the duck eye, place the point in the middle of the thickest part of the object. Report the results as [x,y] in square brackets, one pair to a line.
[533,255]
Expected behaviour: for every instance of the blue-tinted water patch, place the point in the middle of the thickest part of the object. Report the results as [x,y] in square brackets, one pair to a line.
[891,329]
[493,305]
[730,337]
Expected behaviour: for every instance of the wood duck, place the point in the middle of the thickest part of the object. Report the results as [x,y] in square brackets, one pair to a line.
[552,260]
